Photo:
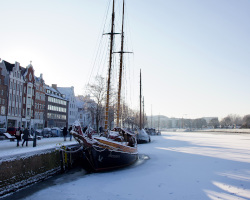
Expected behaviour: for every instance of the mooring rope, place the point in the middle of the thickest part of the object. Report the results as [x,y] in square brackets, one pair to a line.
[61,148]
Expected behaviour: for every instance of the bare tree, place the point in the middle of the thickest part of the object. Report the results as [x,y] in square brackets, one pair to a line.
[214,122]
[199,123]
[97,90]
[246,121]
[236,119]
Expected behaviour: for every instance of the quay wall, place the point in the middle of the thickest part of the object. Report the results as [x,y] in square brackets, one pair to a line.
[22,170]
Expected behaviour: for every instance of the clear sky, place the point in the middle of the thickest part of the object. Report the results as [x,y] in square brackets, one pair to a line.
[194,55]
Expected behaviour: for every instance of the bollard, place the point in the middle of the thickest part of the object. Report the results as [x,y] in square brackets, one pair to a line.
[34,140]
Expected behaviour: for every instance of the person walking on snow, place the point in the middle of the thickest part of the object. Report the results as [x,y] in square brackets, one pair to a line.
[70,135]
[65,133]
[18,136]
[26,134]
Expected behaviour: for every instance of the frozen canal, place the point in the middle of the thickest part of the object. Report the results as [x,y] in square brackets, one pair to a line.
[182,165]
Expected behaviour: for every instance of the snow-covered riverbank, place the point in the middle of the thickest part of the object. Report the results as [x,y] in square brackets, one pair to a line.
[181,166]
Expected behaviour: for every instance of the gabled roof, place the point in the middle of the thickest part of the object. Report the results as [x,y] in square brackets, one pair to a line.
[67,91]
[8,65]
[39,79]
[53,90]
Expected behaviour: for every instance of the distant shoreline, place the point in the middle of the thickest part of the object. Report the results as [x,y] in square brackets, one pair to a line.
[244,131]
[247,131]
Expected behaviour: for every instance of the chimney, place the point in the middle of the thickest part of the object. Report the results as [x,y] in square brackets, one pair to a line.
[54,86]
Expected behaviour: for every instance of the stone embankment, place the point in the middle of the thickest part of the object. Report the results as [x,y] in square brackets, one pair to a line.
[20,170]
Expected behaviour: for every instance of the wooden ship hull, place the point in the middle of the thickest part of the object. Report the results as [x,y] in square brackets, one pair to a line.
[105,159]
[103,154]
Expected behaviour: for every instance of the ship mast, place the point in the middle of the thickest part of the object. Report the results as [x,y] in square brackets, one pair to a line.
[140,101]
[110,65]
[120,71]
[143,113]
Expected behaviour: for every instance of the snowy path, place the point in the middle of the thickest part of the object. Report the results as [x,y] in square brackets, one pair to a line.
[8,148]
[182,166]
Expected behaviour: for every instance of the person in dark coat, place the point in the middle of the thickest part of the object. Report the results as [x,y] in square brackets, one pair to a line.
[26,134]
[84,129]
[70,135]
[18,136]
[65,133]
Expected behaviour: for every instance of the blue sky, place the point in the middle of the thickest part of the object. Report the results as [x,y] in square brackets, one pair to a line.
[194,55]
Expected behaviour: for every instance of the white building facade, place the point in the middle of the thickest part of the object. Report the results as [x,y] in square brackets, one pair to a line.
[72,106]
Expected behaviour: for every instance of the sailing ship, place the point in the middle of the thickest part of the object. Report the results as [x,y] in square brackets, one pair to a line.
[142,135]
[118,147]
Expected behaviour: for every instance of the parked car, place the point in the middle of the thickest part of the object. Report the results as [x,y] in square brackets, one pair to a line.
[56,132]
[2,131]
[46,132]
[38,132]
[11,130]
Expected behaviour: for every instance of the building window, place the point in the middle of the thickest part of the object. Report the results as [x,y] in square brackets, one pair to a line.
[29,90]
[2,110]
[29,101]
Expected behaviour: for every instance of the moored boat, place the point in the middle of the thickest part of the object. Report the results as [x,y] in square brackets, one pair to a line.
[118,147]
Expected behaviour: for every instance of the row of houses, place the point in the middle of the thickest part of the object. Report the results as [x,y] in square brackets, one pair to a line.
[26,100]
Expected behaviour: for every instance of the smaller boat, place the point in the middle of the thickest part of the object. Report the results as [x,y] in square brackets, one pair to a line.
[142,136]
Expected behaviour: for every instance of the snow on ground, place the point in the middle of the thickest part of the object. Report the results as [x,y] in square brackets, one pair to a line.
[182,166]
[9,149]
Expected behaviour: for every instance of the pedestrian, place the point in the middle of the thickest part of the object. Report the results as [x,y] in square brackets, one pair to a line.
[84,129]
[18,136]
[100,129]
[65,133]
[32,131]
[70,135]
[26,135]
